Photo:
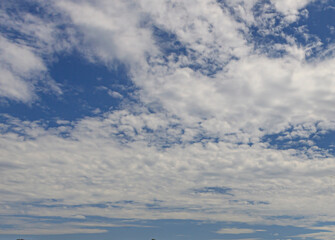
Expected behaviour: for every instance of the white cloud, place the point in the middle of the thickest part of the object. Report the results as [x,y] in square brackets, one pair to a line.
[111,30]
[48,226]
[252,93]
[17,64]
[104,160]
[27,45]
[236,231]
[49,231]
[324,233]
[290,8]
[13,87]
[114,94]
[198,134]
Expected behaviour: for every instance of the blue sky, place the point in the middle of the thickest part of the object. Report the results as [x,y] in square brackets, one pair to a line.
[166,119]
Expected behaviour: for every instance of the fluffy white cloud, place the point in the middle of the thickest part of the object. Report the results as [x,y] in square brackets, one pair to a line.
[290,8]
[27,45]
[17,64]
[112,30]
[105,161]
[251,93]
[273,92]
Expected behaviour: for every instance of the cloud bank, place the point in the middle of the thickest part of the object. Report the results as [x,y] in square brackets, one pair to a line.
[208,94]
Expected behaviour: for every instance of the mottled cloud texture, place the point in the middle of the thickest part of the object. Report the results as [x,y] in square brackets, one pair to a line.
[208,96]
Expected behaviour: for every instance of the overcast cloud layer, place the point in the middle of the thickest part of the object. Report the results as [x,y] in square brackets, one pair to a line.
[228,105]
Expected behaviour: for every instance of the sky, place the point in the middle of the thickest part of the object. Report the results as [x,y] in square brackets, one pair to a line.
[167,119]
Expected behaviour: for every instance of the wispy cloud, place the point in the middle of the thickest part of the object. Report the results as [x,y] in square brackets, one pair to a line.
[236,231]
[17,64]
[325,232]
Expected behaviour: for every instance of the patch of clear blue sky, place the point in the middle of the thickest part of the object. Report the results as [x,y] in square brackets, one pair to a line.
[171,49]
[215,190]
[320,139]
[318,23]
[321,21]
[86,87]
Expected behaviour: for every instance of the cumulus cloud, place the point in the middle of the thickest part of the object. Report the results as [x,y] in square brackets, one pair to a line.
[112,30]
[261,83]
[290,8]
